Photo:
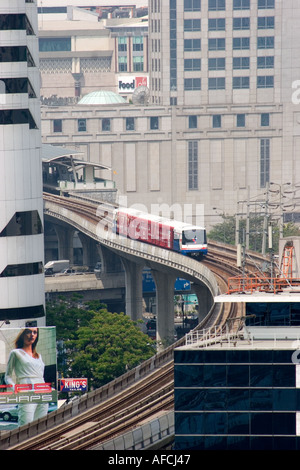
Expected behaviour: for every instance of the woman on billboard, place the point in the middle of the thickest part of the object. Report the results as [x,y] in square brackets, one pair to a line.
[29,369]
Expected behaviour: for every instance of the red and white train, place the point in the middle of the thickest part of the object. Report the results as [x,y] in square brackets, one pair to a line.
[173,235]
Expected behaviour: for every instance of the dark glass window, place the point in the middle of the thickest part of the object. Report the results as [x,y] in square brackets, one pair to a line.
[216,83]
[241,63]
[192,64]
[265,62]
[21,313]
[81,125]
[241,43]
[192,25]
[154,123]
[265,81]
[215,375]
[216,44]
[238,423]
[12,22]
[265,4]
[260,375]
[57,125]
[238,399]
[23,223]
[237,375]
[192,84]
[188,376]
[105,125]
[193,164]
[26,269]
[216,63]
[240,120]
[265,119]
[54,44]
[192,45]
[265,42]
[241,23]
[192,5]
[129,124]
[17,85]
[265,22]
[17,116]
[286,399]
[214,5]
[192,122]
[217,120]
[240,82]
[241,4]
[216,24]
[261,400]
[13,54]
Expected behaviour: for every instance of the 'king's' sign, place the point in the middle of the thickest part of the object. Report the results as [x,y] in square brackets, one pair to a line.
[73,385]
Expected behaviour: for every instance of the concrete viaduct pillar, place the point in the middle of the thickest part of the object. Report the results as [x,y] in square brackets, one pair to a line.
[164,308]
[205,300]
[134,289]
[65,242]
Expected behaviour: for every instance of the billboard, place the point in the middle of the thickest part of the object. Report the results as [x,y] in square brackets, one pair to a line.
[181,285]
[28,371]
[73,385]
[128,83]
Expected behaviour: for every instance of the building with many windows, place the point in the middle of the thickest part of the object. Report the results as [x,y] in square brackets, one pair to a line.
[82,51]
[223,81]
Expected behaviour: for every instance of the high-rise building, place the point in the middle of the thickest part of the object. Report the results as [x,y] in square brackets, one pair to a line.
[222,51]
[21,193]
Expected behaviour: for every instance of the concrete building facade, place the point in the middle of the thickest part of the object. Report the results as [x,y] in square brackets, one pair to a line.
[224,106]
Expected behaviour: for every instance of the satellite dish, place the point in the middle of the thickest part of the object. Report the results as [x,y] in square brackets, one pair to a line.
[141,95]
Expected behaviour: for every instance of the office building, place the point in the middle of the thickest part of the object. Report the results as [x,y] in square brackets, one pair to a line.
[21,198]
[223,81]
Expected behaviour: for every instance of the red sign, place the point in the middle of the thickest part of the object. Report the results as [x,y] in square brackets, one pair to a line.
[73,385]
[141,81]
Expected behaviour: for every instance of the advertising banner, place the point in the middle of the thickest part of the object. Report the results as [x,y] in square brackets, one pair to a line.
[28,371]
[73,385]
[181,285]
[128,83]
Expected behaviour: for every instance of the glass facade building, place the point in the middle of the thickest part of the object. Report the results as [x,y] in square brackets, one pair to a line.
[237,398]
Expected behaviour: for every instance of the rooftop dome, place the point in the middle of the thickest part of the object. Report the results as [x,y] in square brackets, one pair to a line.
[102,97]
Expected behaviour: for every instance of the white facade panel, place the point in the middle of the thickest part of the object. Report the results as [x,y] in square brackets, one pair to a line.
[21,241]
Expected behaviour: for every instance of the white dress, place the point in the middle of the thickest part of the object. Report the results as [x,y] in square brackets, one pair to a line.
[28,370]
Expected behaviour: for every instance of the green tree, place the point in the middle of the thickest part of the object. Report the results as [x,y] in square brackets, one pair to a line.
[107,347]
[95,343]
[225,232]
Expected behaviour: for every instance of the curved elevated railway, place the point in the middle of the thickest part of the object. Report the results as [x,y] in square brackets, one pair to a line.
[143,398]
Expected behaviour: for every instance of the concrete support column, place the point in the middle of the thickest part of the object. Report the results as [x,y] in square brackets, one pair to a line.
[164,308]
[89,250]
[111,262]
[205,300]
[65,237]
[134,289]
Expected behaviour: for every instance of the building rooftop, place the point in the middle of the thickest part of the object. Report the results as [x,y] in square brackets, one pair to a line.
[102,97]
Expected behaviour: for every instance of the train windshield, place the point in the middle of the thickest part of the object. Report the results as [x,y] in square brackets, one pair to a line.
[193,237]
